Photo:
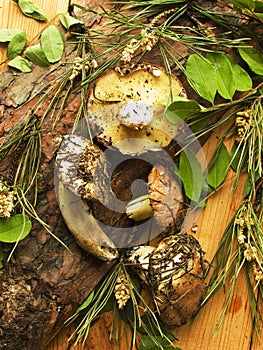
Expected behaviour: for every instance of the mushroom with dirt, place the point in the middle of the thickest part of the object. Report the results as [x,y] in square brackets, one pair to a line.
[76,162]
[174,272]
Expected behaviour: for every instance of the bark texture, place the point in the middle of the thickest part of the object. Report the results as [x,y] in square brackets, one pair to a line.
[43,283]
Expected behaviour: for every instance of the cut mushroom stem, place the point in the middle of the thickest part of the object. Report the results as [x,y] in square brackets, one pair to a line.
[140,208]
[164,200]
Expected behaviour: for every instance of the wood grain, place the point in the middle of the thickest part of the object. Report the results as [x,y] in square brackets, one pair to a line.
[235,333]
[236,330]
[12,17]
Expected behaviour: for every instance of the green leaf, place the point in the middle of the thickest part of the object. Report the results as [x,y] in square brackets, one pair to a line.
[16,45]
[15,228]
[147,343]
[259,15]
[21,64]
[181,110]
[225,82]
[258,6]
[243,4]
[201,76]
[219,166]
[8,34]
[190,173]
[253,58]
[199,121]
[52,44]
[36,55]
[241,77]
[248,186]
[250,183]
[31,10]
[153,335]
[87,302]
[70,22]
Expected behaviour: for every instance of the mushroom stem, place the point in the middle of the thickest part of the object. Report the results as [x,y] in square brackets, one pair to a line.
[139,208]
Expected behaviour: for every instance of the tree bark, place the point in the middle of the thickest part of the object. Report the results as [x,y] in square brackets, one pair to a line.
[43,283]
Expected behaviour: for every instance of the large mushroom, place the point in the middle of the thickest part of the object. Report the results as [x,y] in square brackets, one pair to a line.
[128,111]
[75,172]
[174,271]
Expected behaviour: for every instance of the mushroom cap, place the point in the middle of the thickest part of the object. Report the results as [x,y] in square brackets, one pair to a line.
[176,278]
[139,257]
[82,167]
[166,197]
[131,106]
[174,272]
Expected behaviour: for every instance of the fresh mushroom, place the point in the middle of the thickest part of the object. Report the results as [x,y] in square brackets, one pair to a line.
[78,163]
[128,110]
[84,227]
[164,200]
[174,271]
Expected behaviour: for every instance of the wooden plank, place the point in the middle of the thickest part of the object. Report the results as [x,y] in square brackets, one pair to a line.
[12,17]
[236,329]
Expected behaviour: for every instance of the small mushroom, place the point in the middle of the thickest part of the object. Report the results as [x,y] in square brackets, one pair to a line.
[176,278]
[174,271]
[164,200]
[165,193]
